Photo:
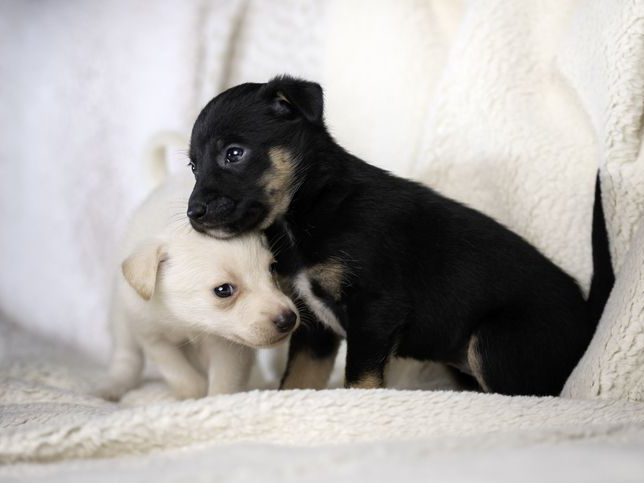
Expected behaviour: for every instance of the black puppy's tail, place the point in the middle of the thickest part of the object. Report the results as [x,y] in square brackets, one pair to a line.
[603,276]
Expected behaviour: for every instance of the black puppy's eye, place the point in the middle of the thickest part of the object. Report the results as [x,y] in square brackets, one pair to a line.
[234,154]
[224,291]
[193,167]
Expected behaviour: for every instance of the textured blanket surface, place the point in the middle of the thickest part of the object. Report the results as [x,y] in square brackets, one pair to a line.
[46,416]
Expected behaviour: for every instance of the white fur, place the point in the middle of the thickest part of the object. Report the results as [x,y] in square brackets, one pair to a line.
[164,306]
[326,316]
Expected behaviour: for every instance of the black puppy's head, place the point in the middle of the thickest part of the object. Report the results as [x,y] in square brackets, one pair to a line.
[244,151]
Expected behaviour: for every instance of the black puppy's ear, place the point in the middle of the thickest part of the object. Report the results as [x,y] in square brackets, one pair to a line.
[290,97]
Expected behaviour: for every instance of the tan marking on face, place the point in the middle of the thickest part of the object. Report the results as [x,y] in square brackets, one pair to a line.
[307,372]
[368,381]
[278,183]
[474,361]
[329,275]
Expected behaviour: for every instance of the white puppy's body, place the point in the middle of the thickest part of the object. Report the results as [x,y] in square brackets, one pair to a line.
[165,306]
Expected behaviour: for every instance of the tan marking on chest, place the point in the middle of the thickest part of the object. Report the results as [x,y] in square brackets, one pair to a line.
[329,275]
[285,284]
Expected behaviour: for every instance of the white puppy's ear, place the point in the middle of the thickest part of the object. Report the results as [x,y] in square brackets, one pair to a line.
[140,268]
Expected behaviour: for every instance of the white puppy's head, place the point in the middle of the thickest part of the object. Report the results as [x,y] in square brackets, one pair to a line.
[220,287]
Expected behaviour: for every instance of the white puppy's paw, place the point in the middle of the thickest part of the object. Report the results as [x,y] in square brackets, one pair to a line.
[219,390]
[110,391]
[194,389]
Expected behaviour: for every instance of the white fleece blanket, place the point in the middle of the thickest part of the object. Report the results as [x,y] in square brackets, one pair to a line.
[46,416]
[508,106]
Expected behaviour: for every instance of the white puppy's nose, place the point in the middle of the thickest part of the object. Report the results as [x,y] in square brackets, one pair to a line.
[286,321]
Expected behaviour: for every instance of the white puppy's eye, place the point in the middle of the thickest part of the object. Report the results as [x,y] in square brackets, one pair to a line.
[224,291]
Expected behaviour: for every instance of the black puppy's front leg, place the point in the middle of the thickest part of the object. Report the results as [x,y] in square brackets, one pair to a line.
[311,355]
[366,362]
[313,346]
[370,342]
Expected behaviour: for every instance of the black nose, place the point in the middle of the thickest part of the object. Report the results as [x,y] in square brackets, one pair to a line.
[196,210]
[286,321]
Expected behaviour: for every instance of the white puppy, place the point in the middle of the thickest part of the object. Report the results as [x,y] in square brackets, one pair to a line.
[194,305]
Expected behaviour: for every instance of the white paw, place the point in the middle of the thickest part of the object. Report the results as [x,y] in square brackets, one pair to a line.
[217,391]
[193,390]
[110,391]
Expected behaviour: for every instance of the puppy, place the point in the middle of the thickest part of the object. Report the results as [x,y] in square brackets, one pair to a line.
[196,306]
[393,266]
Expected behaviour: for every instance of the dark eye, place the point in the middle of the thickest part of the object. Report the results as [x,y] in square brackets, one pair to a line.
[224,291]
[193,167]
[234,154]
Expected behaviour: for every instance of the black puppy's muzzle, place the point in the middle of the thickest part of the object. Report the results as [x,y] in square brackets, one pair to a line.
[225,215]
[219,208]
[211,215]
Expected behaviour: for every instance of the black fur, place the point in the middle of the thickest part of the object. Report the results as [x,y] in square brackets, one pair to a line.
[423,275]
[603,276]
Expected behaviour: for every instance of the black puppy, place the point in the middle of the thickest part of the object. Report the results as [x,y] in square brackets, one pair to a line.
[396,268]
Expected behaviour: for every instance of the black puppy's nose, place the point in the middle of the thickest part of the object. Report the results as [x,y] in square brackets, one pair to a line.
[286,321]
[196,210]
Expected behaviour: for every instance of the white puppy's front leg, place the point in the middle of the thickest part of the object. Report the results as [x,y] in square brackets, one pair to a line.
[184,380]
[229,365]
[127,360]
